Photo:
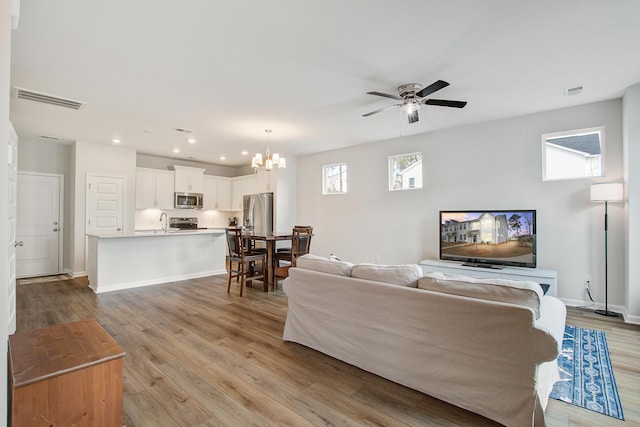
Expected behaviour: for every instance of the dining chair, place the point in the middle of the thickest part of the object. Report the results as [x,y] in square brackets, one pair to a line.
[300,245]
[245,261]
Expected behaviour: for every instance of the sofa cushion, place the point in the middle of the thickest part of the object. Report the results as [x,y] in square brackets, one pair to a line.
[324,265]
[527,294]
[403,275]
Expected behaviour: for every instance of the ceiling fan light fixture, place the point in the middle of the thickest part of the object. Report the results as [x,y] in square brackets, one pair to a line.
[410,106]
[413,95]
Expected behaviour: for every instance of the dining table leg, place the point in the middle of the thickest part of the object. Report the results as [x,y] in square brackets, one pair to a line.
[271,248]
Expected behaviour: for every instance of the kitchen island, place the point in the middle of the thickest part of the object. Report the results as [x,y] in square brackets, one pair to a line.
[151,257]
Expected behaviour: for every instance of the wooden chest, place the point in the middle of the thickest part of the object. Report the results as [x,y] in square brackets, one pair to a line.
[65,375]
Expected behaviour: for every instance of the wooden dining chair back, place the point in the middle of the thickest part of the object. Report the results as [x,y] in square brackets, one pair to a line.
[245,260]
[301,242]
[300,245]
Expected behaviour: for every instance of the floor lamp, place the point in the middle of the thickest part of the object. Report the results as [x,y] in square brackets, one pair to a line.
[611,192]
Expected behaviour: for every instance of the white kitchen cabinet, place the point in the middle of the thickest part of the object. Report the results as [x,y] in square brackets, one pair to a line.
[217,193]
[224,194]
[266,182]
[154,189]
[241,185]
[189,180]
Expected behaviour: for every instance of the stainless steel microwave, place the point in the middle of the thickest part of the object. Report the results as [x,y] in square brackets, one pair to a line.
[188,200]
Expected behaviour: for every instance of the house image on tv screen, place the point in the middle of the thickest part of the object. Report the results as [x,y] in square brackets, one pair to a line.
[486,235]
[488,229]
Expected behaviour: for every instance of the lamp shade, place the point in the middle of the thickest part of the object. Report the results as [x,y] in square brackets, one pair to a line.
[611,192]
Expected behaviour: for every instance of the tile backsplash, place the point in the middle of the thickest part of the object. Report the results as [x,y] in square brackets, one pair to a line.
[149,219]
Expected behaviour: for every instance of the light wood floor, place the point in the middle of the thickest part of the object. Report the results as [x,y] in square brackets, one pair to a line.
[197,356]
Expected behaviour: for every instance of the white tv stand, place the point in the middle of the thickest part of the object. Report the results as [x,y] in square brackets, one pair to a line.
[549,277]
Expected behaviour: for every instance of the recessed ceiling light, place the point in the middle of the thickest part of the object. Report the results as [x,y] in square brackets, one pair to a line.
[116,140]
[191,140]
[176,150]
[223,157]
[244,152]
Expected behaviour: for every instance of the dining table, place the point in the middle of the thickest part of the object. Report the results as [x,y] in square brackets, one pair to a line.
[270,238]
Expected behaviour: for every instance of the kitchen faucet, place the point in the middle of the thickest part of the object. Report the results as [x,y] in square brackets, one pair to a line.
[164,225]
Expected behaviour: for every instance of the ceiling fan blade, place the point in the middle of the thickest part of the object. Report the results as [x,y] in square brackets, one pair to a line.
[386,95]
[440,84]
[413,116]
[445,103]
[381,109]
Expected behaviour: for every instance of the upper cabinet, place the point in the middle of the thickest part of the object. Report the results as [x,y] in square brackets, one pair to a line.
[260,182]
[223,188]
[265,182]
[241,185]
[154,189]
[189,180]
[217,193]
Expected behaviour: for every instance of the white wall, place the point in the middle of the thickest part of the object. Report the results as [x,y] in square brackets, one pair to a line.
[166,163]
[286,191]
[51,157]
[98,158]
[501,170]
[631,120]
[5,67]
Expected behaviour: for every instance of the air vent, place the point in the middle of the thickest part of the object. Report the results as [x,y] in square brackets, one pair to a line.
[574,90]
[55,138]
[31,95]
[184,130]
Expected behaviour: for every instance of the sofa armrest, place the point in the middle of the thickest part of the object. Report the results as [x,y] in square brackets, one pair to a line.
[553,317]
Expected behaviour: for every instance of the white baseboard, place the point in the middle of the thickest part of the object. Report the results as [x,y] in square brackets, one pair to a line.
[75,274]
[615,308]
[151,282]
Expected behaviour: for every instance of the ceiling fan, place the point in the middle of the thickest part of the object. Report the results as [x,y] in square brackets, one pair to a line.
[413,95]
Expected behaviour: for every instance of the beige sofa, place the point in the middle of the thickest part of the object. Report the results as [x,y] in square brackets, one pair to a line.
[492,351]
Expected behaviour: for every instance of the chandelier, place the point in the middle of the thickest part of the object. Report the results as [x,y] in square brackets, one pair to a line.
[271,160]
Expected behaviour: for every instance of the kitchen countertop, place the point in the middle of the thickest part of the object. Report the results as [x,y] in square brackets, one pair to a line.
[159,233]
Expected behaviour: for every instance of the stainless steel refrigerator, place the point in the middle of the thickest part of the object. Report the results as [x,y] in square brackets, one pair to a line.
[257,212]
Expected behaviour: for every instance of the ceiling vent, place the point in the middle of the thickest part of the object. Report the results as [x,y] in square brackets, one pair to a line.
[31,95]
[574,90]
[184,130]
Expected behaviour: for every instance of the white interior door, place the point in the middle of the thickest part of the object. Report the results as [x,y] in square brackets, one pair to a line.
[38,229]
[12,197]
[105,204]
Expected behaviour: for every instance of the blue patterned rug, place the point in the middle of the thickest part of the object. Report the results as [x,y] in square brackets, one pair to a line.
[586,376]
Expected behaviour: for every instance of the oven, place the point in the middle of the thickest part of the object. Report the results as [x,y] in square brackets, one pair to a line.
[184,224]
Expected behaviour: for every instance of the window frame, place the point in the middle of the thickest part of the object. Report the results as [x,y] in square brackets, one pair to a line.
[343,182]
[600,130]
[391,178]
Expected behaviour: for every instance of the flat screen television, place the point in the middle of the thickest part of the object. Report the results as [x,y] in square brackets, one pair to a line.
[491,239]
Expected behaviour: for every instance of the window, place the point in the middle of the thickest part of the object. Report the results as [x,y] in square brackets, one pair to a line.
[405,171]
[334,179]
[574,154]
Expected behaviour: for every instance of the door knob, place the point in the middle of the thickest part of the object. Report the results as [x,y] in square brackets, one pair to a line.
[20,243]
[119,229]
[55,222]
[55,229]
